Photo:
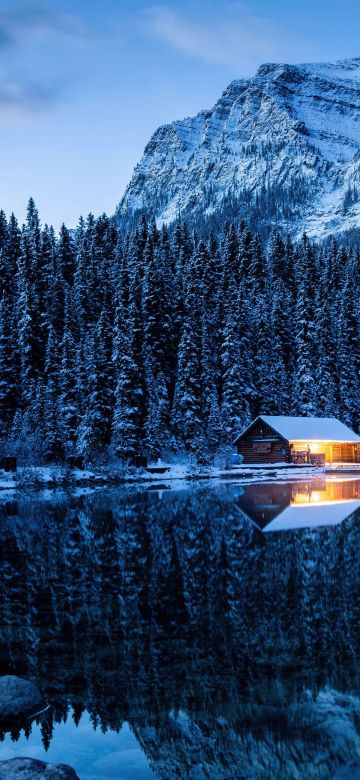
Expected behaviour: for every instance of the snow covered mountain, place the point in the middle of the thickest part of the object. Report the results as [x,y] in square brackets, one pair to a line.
[283,145]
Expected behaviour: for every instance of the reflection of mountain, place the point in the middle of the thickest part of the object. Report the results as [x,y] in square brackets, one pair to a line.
[138,608]
[308,740]
[306,504]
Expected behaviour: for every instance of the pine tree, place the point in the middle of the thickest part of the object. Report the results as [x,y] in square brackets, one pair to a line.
[265,378]
[277,257]
[231,258]
[156,337]
[8,366]
[80,287]
[4,237]
[66,256]
[209,392]
[186,416]
[304,374]
[236,382]
[69,406]
[12,252]
[127,431]
[53,444]
[349,351]
[257,274]
[26,340]
[326,358]
[95,426]
[282,358]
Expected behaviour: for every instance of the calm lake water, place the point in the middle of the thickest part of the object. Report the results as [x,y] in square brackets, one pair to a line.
[209,631]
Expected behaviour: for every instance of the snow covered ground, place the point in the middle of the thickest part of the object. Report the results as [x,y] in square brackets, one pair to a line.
[54,476]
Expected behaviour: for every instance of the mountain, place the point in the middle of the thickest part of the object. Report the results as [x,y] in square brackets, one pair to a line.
[283,146]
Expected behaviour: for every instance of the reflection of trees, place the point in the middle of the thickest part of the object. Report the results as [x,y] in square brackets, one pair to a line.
[136,607]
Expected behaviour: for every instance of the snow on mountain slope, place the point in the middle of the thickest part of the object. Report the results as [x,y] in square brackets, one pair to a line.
[290,135]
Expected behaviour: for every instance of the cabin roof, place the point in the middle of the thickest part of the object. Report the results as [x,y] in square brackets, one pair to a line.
[307,428]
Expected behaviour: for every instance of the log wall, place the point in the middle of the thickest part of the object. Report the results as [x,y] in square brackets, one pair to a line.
[344,453]
[262,445]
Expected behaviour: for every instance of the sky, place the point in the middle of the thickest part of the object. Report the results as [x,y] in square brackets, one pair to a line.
[85,83]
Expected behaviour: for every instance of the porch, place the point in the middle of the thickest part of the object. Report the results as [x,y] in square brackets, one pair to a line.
[323,453]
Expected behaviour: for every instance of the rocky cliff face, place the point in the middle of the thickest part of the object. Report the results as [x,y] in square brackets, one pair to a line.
[285,143]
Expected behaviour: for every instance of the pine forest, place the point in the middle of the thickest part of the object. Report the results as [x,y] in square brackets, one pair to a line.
[118,341]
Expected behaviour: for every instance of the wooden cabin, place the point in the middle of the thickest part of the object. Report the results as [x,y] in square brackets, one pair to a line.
[300,440]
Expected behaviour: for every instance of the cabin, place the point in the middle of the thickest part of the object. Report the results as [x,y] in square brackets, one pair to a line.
[300,440]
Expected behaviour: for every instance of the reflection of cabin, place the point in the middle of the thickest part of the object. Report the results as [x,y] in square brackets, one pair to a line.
[261,502]
[316,440]
[280,506]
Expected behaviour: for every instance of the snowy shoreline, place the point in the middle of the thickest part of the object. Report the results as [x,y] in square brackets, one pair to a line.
[56,476]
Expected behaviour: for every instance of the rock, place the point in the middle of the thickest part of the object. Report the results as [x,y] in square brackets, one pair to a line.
[261,129]
[19,699]
[31,769]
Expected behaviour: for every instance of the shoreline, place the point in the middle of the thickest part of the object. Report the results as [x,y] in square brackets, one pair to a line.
[54,477]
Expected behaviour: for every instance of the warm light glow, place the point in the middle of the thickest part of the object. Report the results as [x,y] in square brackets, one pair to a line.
[328,502]
[332,450]
[322,493]
[315,496]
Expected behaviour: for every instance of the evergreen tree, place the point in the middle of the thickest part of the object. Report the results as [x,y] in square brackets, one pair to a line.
[209,391]
[53,444]
[349,351]
[304,374]
[177,336]
[8,366]
[95,426]
[127,422]
[68,385]
[326,371]
[66,256]
[186,417]
[236,381]
[156,338]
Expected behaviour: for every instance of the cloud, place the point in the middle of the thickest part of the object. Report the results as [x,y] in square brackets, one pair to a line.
[25,100]
[24,18]
[234,38]
[34,38]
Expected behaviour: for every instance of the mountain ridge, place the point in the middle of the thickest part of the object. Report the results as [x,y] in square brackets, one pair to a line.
[285,142]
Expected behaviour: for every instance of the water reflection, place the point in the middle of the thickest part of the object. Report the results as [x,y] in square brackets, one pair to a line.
[306,504]
[227,652]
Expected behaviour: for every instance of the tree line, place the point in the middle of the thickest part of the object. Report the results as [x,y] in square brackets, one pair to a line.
[116,341]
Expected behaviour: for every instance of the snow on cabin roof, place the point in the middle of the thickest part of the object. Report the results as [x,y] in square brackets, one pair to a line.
[309,428]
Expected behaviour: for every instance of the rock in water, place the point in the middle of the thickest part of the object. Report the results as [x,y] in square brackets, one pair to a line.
[30,769]
[19,699]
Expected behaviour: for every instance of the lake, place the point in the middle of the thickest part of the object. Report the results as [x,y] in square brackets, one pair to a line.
[204,631]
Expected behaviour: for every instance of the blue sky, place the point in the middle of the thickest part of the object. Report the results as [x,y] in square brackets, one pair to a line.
[84,83]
